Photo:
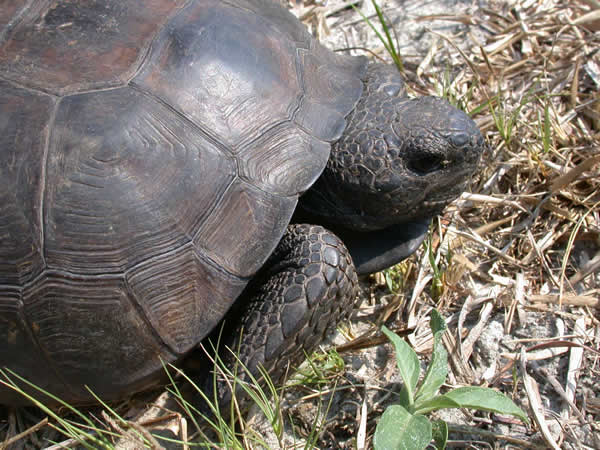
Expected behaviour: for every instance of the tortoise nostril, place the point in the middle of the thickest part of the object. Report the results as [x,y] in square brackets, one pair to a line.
[426,164]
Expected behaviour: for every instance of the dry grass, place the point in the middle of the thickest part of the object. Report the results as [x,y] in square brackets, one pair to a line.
[528,237]
[524,244]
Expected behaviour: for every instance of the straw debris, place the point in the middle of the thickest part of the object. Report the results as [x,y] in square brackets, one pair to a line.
[519,255]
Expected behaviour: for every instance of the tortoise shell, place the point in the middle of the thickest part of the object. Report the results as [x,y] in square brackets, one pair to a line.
[151,158]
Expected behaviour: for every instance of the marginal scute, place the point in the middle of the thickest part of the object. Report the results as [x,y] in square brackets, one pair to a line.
[17,347]
[284,161]
[127,179]
[63,46]
[332,88]
[320,120]
[278,17]
[225,69]
[73,317]
[243,230]
[332,80]
[355,65]
[21,174]
[183,296]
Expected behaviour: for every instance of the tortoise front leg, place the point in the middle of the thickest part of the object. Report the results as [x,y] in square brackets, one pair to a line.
[308,285]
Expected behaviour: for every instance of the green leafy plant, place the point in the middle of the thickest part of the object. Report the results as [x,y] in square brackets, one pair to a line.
[405,426]
[506,121]
[445,88]
[319,369]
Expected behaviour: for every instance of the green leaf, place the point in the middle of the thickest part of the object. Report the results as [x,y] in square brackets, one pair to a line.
[438,402]
[437,322]
[399,429]
[440,434]
[407,361]
[438,368]
[485,399]
[404,400]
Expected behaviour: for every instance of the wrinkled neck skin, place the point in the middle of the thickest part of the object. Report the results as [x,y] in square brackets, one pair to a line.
[399,162]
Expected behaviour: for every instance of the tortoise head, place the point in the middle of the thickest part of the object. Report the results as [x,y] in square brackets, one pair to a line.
[400,160]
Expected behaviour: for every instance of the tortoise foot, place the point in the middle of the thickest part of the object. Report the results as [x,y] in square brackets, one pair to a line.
[306,288]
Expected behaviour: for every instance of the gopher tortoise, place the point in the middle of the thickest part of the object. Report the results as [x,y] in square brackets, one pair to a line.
[161,161]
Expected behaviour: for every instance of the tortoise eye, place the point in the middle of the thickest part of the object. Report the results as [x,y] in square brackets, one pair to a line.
[459,139]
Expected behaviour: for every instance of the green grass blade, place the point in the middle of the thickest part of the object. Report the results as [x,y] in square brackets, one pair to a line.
[547,130]
[388,43]
[67,428]
[391,48]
